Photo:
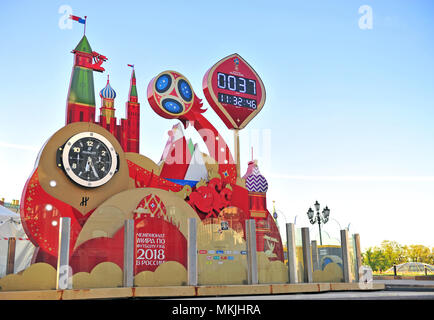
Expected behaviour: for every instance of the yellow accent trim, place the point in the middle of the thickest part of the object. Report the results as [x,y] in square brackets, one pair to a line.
[257,194]
[258,214]
[81,104]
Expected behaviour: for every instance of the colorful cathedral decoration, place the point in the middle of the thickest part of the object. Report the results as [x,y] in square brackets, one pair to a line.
[91,171]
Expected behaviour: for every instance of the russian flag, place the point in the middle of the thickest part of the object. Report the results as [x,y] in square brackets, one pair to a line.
[80,20]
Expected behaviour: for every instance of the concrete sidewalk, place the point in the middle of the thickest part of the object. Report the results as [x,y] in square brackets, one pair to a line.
[351,295]
[410,283]
[251,291]
[407,285]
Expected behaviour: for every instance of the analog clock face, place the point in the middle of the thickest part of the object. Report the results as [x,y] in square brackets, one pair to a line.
[89,159]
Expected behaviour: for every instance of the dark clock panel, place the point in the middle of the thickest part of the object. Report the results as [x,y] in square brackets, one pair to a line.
[89,159]
[236,83]
[237,101]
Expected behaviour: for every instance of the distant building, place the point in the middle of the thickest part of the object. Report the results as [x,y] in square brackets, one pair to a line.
[13,206]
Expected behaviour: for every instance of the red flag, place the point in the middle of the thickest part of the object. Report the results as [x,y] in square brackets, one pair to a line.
[80,20]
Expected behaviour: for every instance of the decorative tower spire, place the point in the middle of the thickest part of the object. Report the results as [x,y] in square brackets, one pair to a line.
[108,96]
[274,210]
[133,115]
[275,214]
[81,94]
[132,96]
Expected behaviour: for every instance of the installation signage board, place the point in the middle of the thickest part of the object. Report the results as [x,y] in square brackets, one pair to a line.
[234,90]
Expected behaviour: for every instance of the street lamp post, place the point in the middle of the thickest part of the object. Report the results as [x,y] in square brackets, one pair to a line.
[318,218]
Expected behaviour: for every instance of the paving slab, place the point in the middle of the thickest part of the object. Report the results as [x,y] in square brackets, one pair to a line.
[187,291]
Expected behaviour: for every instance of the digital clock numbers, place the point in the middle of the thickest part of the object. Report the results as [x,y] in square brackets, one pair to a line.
[237,101]
[235,83]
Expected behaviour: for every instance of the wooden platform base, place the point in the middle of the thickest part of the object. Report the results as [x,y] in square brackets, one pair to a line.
[186,291]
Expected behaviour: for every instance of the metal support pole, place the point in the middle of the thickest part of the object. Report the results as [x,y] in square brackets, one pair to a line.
[358,256]
[315,258]
[10,262]
[291,253]
[237,150]
[64,273]
[307,259]
[128,272]
[192,252]
[318,218]
[252,264]
[345,255]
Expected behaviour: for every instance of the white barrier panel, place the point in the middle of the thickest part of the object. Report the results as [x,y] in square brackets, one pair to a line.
[64,272]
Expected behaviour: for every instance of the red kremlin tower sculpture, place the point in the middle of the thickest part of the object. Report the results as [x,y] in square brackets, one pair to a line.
[81,99]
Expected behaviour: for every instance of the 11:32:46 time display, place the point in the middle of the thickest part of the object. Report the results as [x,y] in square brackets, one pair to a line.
[237,101]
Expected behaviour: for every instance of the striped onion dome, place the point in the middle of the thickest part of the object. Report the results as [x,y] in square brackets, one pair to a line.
[107,92]
[255,181]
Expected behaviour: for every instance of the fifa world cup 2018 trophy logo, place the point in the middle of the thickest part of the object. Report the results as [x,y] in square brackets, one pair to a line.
[237,62]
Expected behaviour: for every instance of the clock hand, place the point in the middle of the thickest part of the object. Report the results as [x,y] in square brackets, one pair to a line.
[93,169]
[87,164]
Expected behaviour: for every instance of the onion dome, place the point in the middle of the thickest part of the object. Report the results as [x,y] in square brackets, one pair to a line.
[255,181]
[107,92]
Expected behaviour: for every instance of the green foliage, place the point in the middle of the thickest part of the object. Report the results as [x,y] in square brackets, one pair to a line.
[392,253]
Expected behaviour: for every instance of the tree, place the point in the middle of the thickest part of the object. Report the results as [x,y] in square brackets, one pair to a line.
[392,253]
[375,258]
[368,259]
[419,253]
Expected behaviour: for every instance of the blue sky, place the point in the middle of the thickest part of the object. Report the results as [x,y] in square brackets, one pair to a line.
[348,115]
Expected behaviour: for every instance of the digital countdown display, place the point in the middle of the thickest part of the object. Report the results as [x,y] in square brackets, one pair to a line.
[234,90]
[235,83]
